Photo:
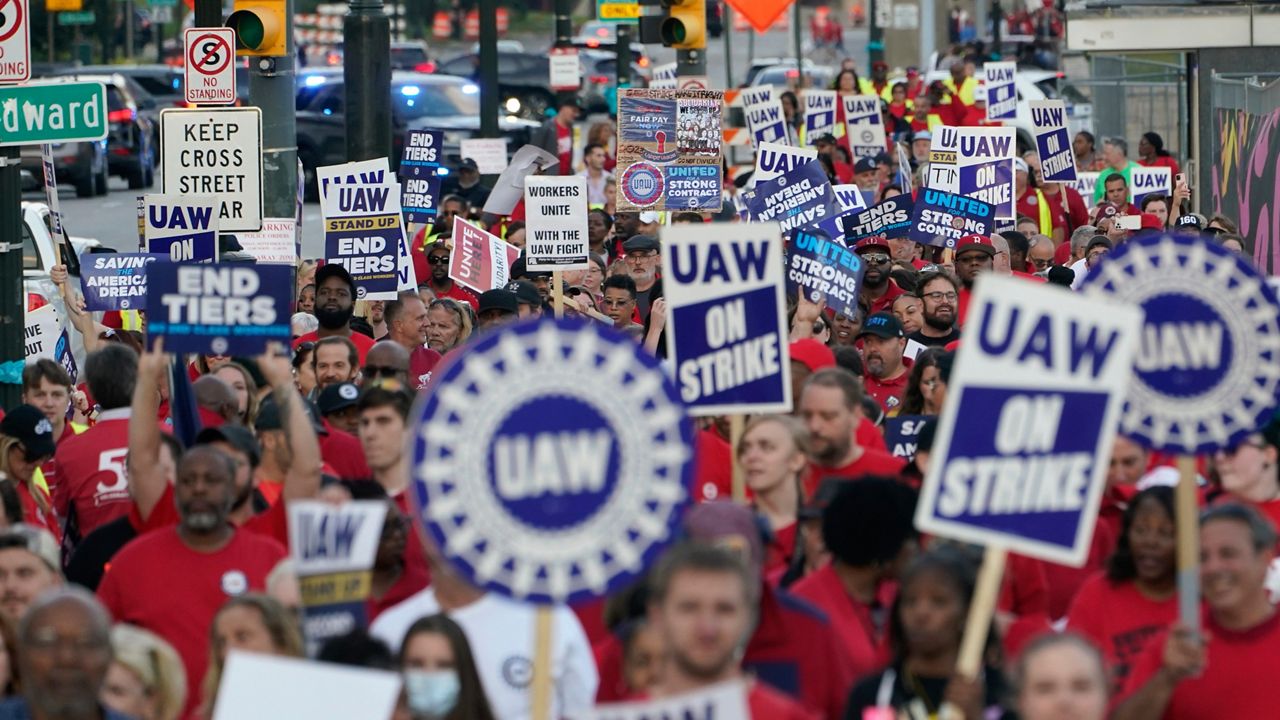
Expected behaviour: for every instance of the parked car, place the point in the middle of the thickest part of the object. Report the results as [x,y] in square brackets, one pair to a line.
[599,91]
[418,101]
[785,77]
[523,80]
[38,256]
[82,165]
[596,35]
[132,134]
[760,64]
[161,83]
[411,55]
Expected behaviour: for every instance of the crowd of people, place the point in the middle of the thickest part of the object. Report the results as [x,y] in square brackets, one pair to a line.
[145,533]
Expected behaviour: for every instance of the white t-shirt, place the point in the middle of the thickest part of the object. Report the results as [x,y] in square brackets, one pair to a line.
[595,188]
[1081,269]
[501,634]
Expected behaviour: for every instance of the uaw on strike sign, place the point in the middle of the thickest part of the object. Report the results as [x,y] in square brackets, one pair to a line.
[534,486]
[1031,413]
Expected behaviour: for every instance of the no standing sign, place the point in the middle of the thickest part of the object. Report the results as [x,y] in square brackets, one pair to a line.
[15,41]
[210,76]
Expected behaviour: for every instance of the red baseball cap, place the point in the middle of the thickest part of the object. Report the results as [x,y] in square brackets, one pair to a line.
[1105,210]
[813,354]
[975,242]
[872,243]
[1151,222]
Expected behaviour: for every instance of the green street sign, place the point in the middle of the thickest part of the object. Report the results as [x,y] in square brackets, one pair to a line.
[76,18]
[52,112]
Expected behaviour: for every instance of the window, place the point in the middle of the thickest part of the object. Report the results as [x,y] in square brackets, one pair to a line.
[30,253]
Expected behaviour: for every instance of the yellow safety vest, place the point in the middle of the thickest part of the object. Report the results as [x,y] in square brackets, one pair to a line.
[966,90]
[1046,219]
[131,320]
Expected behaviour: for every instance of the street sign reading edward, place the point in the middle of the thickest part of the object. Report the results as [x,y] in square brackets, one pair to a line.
[1208,364]
[1031,411]
[534,486]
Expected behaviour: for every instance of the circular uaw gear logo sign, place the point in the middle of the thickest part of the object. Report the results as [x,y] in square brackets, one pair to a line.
[1208,364]
[642,184]
[551,460]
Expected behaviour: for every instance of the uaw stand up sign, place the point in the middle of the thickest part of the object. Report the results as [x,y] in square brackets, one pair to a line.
[1208,363]
[532,482]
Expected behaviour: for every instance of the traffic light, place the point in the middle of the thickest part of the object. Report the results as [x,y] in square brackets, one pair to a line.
[685,24]
[260,27]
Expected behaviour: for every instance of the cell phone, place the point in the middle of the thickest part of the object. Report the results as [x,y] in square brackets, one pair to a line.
[1180,179]
[1128,222]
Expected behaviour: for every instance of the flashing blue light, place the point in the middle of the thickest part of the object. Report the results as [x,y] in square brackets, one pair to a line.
[442,171]
[470,89]
[313,80]
[328,111]
[410,90]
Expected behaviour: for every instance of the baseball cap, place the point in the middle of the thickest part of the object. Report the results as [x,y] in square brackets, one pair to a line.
[825,138]
[1151,222]
[30,427]
[35,540]
[1105,210]
[1098,241]
[331,269]
[1190,220]
[865,164]
[498,299]
[641,242]
[234,435]
[269,416]
[812,354]
[526,292]
[1060,275]
[337,397]
[922,135]
[467,163]
[975,242]
[875,242]
[648,217]
[1020,165]
[724,522]
[882,324]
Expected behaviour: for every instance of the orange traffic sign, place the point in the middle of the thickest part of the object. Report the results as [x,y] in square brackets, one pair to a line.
[760,13]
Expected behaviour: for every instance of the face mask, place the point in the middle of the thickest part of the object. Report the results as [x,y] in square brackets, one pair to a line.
[431,693]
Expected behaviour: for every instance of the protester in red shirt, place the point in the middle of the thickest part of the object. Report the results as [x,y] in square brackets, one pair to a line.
[1122,609]
[93,488]
[47,387]
[1248,473]
[26,443]
[556,134]
[205,560]
[1151,153]
[702,603]
[831,407]
[886,371]
[712,462]
[1230,669]
[867,527]
[975,254]
[407,324]
[773,456]
[878,289]
[335,304]
[433,271]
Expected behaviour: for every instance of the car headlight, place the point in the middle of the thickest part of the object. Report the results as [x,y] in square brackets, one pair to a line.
[512,105]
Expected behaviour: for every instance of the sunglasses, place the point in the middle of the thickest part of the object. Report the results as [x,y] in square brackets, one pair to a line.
[374,371]
[437,259]
[876,259]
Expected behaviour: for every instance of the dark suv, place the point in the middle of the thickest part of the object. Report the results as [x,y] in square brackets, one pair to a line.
[418,101]
[131,116]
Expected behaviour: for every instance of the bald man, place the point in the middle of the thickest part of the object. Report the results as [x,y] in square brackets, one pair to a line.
[216,400]
[387,360]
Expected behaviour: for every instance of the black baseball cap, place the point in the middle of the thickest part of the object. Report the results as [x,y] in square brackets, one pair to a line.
[269,416]
[499,299]
[30,427]
[865,164]
[337,397]
[526,292]
[331,269]
[882,324]
[234,435]
[1190,220]
[641,242]
[825,139]
[467,163]
[1098,241]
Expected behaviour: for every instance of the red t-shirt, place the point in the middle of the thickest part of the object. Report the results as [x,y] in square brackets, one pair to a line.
[158,583]
[50,469]
[1029,206]
[1239,679]
[91,473]
[1162,161]
[421,362]
[766,703]
[888,392]
[884,303]
[860,629]
[32,513]
[343,452]
[871,462]
[1120,620]
[564,148]
[777,554]
[461,294]
[794,652]
[363,343]
[1065,581]
[712,467]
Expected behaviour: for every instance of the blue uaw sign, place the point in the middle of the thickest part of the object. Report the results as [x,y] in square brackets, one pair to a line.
[825,270]
[727,327]
[1020,458]
[231,309]
[538,487]
[1208,363]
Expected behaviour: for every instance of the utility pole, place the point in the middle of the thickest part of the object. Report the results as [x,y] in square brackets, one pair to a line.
[564,39]
[490,93]
[726,30]
[796,38]
[875,36]
[272,87]
[13,308]
[366,75]
[622,52]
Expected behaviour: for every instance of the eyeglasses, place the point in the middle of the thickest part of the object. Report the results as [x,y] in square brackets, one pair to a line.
[618,303]
[1041,264]
[374,371]
[939,296]
[437,259]
[641,254]
[876,259]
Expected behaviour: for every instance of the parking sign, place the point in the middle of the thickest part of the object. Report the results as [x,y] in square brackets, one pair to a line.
[210,74]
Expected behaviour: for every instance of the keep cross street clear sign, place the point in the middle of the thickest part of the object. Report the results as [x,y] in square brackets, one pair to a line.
[216,152]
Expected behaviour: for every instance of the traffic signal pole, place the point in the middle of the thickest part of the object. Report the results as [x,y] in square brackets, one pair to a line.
[366,74]
[272,87]
[490,93]
[13,307]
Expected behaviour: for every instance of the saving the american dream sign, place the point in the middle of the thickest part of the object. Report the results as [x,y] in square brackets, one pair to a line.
[1021,453]
[727,317]
[1207,368]
[537,488]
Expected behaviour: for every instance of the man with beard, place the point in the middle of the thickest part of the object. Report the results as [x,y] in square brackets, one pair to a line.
[335,304]
[831,407]
[626,226]
[644,265]
[703,604]
[437,274]
[975,254]
[1231,664]
[335,360]
[57,684]
[940,292]
[886,371]
[205,561]
[878,289]
[407,327]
